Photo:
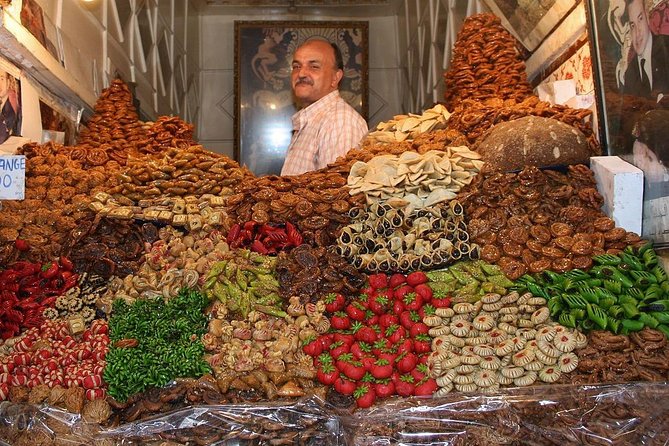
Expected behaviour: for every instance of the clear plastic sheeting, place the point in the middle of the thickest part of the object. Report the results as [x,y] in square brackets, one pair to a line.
[625,414]
[306,422]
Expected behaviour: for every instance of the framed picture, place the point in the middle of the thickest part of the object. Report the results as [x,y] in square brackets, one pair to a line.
[11,111]
[531,21]
[263,94]
[630,53]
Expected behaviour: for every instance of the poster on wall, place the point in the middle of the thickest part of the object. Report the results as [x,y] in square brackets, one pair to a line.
[263,95]
[11,112]
[32,18]
[630,53]
[530,21]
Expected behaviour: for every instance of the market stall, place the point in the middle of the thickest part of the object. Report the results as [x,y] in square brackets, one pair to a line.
[427,288]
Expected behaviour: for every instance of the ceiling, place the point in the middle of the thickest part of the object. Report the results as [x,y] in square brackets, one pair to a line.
[299,7]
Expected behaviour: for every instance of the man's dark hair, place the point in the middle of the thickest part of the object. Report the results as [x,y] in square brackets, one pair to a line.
[626,17]
[339,60]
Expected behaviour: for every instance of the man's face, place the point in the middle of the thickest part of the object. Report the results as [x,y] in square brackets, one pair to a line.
[4,85]
[638,21]
[313,72]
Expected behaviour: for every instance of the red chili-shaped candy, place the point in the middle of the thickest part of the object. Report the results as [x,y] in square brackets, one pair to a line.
[4,391]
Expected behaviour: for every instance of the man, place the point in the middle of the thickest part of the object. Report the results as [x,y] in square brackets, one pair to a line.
[647,74]
[9,116]
[326,127]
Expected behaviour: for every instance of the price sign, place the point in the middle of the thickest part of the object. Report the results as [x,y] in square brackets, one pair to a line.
[12,177]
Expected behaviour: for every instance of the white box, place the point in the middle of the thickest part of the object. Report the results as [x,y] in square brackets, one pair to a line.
[621,185]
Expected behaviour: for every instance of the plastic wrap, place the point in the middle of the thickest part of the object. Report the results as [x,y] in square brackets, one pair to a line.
[625,414]
[308,421]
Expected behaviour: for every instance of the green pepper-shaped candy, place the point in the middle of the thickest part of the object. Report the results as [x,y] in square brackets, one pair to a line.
[613,325]
[661,316]
[653,292]
[665,287]
[643,279]
[630,325]
[537,290]
[597,315]
[576,275]
[606,302]
[589,294]
[613,286]
[574,301]
[616,311]
[635,293]
[552,276]
[612,273]
[607,259]
[659,273]
[586,325]
[649,258]
[626,299]
[594,282]
[648,320]
[630,310]
[567,320]
[555,305]
[659,305]
[578,313]
[631,260]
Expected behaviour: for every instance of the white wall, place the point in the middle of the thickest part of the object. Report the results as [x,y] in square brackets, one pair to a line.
[216,124]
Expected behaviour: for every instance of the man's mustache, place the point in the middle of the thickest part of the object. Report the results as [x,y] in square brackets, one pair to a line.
[304,81]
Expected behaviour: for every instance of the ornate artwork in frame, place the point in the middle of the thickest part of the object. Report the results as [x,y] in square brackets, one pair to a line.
[530,21]
[629,42]
[263,95]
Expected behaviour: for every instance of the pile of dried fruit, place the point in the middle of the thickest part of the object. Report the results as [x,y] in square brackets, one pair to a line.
[540,219]
[154,341]
[316,202]
[261,354]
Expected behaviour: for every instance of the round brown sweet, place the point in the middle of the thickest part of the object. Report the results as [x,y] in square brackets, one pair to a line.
[532,141]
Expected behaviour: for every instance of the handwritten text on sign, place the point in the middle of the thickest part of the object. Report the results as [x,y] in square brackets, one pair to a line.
[12,177]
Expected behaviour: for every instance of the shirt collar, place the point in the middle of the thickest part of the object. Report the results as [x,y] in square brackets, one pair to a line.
[647,51]
[301,118]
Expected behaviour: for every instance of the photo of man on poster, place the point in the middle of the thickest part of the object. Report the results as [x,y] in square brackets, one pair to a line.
[10,107]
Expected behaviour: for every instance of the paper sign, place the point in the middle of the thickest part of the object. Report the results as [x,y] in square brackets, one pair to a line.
[12,177]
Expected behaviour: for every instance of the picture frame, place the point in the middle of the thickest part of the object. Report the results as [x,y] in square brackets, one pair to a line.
[263,95]
[531,21]
[634,120]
